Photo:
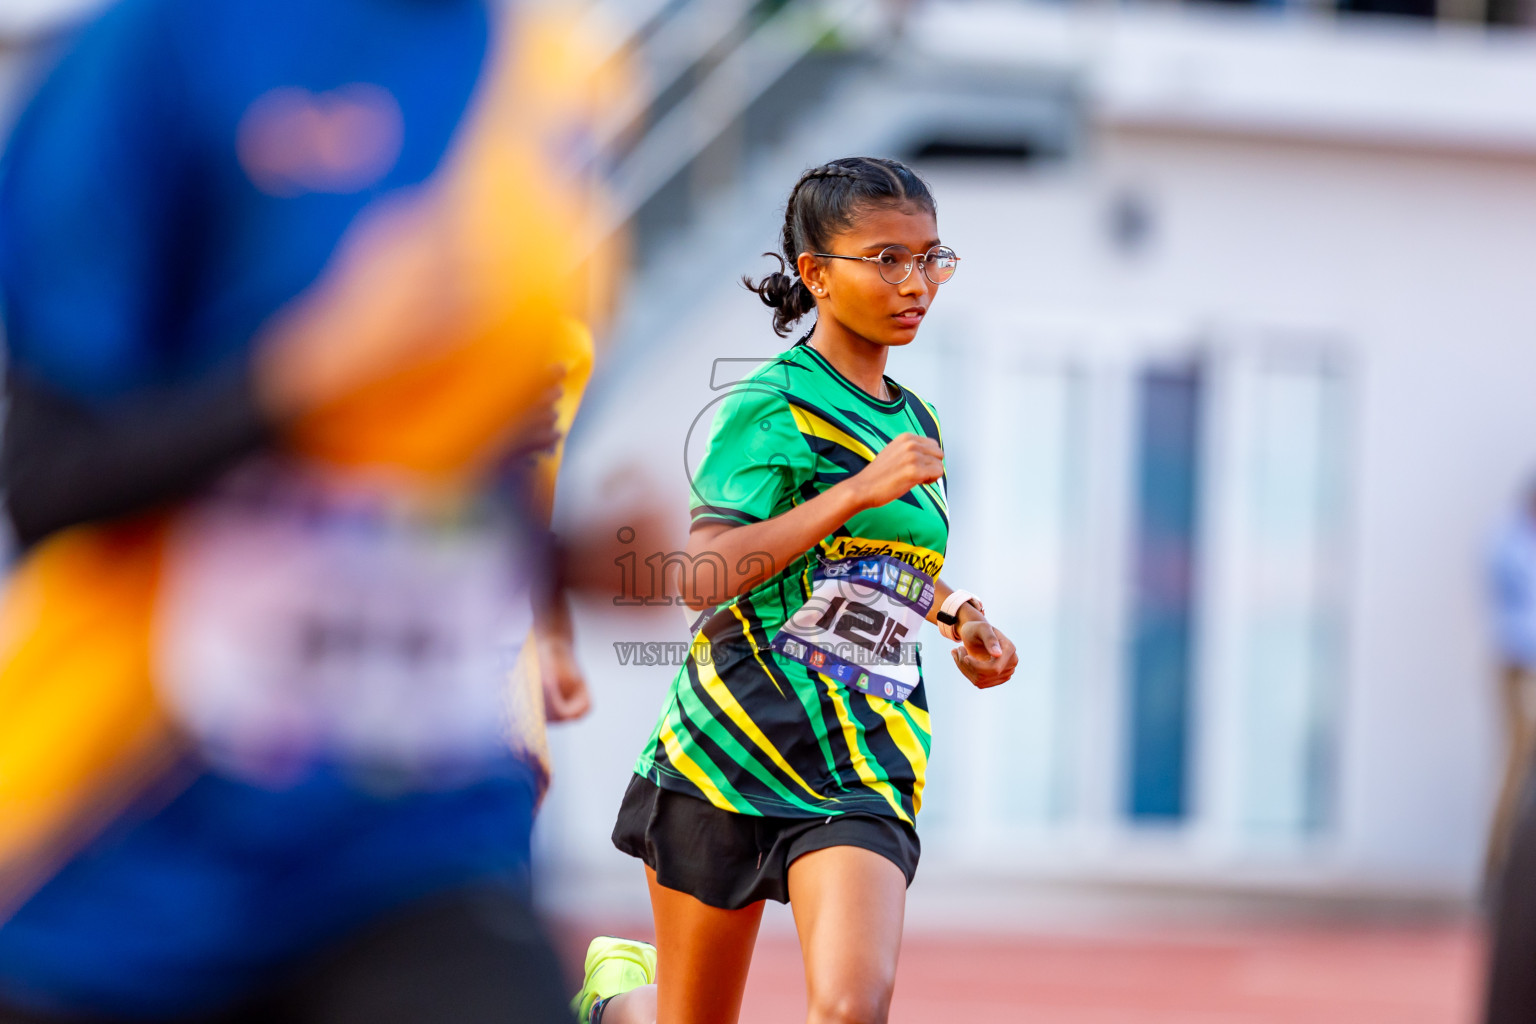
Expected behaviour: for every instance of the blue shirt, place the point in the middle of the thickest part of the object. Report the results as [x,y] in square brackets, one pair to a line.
[1512,588]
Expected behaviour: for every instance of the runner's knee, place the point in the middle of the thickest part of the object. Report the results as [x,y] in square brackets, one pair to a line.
[844,1007]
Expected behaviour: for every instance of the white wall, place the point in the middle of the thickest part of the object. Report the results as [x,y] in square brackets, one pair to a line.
[1394,235]
[1415,266]
[1421,265]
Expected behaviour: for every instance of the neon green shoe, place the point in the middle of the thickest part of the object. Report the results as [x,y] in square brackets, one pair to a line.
[613,966]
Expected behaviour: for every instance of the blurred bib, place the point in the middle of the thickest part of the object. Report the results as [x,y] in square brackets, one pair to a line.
[308,617]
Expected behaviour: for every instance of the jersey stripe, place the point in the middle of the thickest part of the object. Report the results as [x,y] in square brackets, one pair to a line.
[817,424]
[732,749]
[881,748]
[922,412]
[746,630]
[814,425]
[807,699]
[721,695]
[721,512]
[913,749]
[719,731]
[706,781]
[919,716]
[873,777]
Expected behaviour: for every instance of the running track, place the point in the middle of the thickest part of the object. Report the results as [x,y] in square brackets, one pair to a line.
[1313,974]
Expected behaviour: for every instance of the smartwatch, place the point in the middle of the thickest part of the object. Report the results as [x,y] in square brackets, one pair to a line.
[948,615]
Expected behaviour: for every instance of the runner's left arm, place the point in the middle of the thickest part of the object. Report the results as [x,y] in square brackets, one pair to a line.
[984,656]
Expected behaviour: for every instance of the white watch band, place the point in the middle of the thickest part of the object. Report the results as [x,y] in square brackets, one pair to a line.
[951,607]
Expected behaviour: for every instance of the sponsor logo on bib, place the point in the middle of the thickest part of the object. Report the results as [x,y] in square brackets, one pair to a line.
[859,624]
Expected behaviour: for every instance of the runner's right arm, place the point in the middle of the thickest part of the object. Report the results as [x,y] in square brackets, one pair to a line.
[905,463]
[95,205]
[66,462]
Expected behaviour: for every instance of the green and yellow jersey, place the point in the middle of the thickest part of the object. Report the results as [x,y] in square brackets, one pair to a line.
[745,727]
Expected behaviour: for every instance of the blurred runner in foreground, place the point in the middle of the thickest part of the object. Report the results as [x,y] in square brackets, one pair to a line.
[288,287]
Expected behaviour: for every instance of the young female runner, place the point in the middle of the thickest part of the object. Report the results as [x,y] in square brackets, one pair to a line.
[789,760]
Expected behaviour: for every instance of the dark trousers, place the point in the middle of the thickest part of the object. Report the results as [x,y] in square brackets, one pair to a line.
[1511,996]
[476,956]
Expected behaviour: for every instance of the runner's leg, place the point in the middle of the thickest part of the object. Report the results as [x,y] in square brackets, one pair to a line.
[702,956]
[1510,997]
[1520,745]
[849,906]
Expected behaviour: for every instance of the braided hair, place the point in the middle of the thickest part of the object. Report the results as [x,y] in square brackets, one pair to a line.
[825,201]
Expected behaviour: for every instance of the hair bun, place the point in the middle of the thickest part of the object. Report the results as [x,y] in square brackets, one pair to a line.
[786,295]
[776,287]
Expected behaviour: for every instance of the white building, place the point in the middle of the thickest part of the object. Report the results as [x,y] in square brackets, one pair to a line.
[1258,311]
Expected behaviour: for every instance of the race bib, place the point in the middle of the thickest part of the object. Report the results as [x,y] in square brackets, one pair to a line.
[306,619]
[860,625]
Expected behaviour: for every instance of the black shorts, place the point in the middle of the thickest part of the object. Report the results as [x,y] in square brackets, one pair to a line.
[732,861]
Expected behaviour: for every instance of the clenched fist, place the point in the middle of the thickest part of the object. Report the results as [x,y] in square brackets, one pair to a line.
[905,463]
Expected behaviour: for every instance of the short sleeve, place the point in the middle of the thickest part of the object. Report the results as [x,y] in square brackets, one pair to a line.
[92,196]
[755,462]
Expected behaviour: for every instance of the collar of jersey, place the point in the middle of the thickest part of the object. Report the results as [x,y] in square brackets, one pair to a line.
[891,406]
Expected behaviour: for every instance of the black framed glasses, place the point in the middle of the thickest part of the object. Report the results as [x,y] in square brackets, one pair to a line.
[895,263]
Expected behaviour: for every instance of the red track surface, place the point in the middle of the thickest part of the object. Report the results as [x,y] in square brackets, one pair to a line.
[1319,975]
